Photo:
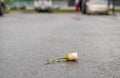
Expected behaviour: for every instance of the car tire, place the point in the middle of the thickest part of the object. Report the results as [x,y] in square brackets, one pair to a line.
[106,13]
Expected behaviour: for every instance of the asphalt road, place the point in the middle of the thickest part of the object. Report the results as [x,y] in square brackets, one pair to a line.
[28,40]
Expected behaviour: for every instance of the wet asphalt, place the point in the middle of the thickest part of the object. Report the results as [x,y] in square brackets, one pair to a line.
[28,40]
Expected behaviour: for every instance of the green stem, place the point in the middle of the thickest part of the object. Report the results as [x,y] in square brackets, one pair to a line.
[63,58]
[55,60]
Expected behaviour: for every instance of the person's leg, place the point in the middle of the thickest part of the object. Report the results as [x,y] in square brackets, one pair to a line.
[80,3]
[113,8]
[77,11]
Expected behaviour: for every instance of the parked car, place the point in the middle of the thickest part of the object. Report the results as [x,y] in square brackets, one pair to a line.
[95,6]
[43,5]
[1,8]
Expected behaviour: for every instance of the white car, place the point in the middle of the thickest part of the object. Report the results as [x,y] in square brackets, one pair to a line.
[43,5]
[97,6]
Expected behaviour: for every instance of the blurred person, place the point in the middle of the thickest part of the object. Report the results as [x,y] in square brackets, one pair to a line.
[80,3]
[2,7]
[111,5]
[77,8]
[108,4]
[113,8]
[2,2]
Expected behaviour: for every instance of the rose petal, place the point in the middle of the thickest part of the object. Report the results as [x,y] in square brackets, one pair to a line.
[72,56]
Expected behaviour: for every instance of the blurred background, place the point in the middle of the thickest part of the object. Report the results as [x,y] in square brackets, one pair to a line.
[60,5]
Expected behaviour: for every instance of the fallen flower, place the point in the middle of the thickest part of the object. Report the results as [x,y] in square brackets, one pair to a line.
[69,57]
[72,56]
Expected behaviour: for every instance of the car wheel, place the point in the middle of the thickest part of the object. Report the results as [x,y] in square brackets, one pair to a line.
[106,13]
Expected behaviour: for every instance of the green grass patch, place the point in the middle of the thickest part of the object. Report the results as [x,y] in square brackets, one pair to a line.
[64,11]
[54,11]
[116,10]
[33,11]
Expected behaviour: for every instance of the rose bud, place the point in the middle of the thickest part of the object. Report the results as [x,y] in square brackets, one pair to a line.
[72,56]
